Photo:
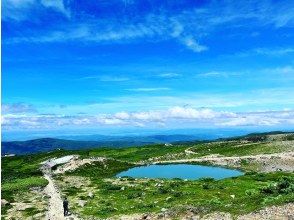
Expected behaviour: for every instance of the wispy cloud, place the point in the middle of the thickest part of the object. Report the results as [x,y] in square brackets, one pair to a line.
[282,71]
[20,10]
[18,108]
[169,75]
[193,45]
[218,74]
[268,52]
[97,32]
[106,78]
[188,27]
[149,89]
[274,52]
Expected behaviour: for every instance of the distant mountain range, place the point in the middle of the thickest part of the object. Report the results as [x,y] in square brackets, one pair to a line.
[98,141]
[49,144]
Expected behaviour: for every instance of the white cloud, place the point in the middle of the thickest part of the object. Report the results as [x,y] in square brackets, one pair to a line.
[190,113]
[111,121]
[122,115]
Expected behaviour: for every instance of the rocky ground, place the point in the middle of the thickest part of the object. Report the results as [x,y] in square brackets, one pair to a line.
[262,162]
[75,163]
[274,212]
[28,205]
[284,212]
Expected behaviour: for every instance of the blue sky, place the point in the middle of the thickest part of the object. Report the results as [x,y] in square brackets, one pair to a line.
[152,64]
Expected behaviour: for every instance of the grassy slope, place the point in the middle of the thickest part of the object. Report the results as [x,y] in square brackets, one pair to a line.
[128,196]
[145,195]
[22,172]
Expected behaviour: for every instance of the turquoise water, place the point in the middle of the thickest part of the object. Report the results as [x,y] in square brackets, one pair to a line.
[182,171]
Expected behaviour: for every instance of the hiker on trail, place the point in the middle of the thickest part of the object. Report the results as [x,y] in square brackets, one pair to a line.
[65,206]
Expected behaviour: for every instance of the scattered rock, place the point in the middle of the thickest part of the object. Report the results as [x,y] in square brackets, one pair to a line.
[163,209]
[90,194]
[146,216]
[218,216]
[4,202]
[82,203]
[161,215]
[168,198]
[22,206]
[39,215]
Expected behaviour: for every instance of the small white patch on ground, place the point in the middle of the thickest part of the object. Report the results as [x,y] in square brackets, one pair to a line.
[56,161]
[189,151]
[75,163]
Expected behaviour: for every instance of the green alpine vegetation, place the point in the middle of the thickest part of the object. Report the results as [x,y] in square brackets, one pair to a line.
[90,183]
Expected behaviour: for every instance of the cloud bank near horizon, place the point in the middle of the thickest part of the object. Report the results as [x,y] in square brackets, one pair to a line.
[175,116]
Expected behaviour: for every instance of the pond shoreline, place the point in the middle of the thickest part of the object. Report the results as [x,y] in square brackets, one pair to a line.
[180,171]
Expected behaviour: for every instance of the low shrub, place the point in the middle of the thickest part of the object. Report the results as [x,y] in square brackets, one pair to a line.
[71,191]
[207,179]
[206,186]
[251,192]
[134,195]
[163,190]
[215,201]
[177,194]
[284,185]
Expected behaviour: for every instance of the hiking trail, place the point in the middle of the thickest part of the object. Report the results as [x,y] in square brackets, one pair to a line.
[55,207]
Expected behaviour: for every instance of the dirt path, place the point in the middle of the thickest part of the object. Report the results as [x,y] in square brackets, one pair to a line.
[220,158]
[55,209]
[270,162]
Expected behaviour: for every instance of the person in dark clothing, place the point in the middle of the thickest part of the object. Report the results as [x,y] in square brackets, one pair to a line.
[65,206]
